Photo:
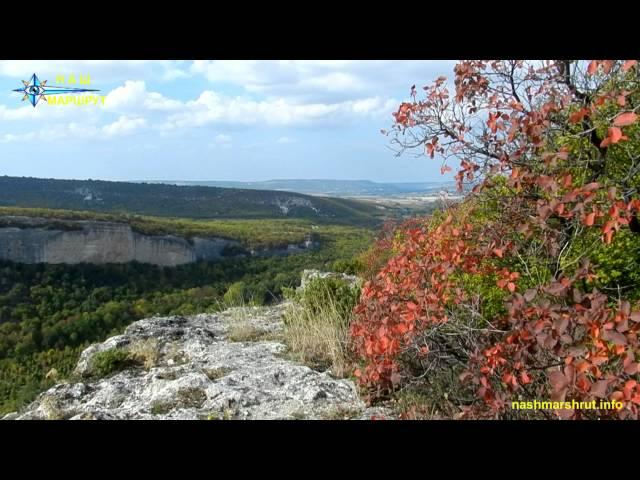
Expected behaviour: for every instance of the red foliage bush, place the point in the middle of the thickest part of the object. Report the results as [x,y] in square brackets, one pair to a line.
[559,142]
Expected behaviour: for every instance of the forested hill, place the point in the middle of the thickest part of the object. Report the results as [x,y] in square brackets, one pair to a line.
[181,201]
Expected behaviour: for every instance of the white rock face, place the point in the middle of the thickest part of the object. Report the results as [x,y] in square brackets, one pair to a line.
[110,242]
[308,275]
[285,204]
[188,368]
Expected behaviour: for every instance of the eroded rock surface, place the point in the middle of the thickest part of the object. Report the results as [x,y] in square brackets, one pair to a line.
[188,368]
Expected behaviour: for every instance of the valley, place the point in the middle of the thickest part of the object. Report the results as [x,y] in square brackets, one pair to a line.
[72,277]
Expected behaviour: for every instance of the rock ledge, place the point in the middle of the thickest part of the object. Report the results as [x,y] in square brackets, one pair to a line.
[188,368]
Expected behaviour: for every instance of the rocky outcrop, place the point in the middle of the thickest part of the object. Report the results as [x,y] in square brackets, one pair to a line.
[308,275]
[190,368]
[37,240]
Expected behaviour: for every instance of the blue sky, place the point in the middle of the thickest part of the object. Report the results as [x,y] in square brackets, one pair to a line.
[215,120]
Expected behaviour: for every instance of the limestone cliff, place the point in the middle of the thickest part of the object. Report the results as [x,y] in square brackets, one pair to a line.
[38,240]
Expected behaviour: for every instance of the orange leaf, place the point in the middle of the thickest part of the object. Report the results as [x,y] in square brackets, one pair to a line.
[593,67]
[590,219]
[629,64]
[576,117]
[582,366]
[614,136]
[625,119]
[498,252]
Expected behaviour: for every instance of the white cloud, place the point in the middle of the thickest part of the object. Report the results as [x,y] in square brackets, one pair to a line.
[212,107]
[274,93]
[284,140]
[325,80]
[124,125]
[133,96]
[18,137]
[20,113]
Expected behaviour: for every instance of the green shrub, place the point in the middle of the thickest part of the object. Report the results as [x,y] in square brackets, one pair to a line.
[353,266]
[104,364]
[320,292]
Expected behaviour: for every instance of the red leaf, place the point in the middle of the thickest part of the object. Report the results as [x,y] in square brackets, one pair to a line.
[629,64]
[614,337]
[498,252]
[590,219]
[625,119]
[430,150]
[593,67]
[558,384]
[614,136]
[576,117]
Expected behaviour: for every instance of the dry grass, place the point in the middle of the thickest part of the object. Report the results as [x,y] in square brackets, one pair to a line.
[238,320]
[244,332]
[341,413]
[146,352]
[51,408]
[318,339]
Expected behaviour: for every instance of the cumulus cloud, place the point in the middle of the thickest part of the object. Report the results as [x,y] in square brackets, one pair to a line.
[327,80]
[212,107]
[265,94]
[133,95]
[124,125]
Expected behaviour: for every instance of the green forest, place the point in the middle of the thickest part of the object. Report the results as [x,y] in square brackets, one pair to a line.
[252,233]
[50,313]
[182,201]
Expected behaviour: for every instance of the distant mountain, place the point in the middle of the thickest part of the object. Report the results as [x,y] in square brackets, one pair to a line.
[337,188]
[181,201]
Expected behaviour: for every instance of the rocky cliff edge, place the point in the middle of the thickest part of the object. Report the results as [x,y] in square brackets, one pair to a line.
[230,365]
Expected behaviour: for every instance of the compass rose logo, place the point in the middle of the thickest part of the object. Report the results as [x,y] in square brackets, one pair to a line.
[35,90]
